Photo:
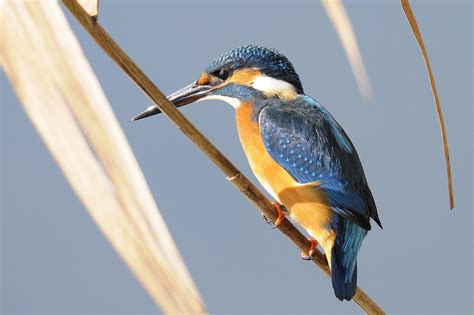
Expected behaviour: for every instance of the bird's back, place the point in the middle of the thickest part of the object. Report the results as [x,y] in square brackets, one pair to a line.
[304,138]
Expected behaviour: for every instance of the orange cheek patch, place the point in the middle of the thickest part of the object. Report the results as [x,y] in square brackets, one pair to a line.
[244,76]
[204,79]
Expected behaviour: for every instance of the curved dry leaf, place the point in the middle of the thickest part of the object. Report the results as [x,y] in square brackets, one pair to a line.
[416,31]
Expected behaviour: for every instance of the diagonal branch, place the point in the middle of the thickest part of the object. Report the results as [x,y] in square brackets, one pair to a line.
[104,40]
[416,31]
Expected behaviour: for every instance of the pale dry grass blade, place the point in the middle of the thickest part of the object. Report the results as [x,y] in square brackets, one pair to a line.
[342,24]
[416,31]
[64,101]
[91,7]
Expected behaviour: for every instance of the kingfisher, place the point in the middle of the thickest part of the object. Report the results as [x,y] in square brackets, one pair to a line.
[297,151]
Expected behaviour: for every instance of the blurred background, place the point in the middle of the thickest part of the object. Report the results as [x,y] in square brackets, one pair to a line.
[55,261]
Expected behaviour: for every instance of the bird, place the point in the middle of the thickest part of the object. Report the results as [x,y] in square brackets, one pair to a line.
[297,151]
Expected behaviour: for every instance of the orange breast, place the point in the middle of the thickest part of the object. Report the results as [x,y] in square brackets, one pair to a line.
[306,203]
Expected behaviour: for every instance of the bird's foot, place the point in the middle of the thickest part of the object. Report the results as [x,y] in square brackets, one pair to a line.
[281,215]
[311,251]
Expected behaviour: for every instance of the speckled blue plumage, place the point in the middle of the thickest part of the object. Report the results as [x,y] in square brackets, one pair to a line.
[269,61]
[303,137]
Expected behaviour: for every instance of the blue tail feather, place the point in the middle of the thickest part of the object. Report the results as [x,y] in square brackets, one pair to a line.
[349,237]
[343,289]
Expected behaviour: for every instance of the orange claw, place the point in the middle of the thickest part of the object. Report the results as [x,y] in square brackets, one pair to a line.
[311,251]
[281,214]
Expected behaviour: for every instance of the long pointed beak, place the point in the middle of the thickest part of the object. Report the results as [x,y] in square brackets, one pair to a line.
[184,96]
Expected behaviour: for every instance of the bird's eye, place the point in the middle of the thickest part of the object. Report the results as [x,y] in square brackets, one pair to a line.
[222,74]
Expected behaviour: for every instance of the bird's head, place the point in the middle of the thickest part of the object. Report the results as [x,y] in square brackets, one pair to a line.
[236,75]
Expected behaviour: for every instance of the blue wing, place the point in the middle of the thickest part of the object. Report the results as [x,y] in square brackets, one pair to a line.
[309,144]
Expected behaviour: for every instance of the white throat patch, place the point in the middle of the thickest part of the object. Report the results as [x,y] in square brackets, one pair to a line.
[272,86]
[235,102]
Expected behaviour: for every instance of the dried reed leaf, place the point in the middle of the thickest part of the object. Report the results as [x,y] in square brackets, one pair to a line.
[416,31]
[65,103]
[91,7]
[342,24]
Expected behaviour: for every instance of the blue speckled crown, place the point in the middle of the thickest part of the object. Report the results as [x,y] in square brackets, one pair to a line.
[269,61]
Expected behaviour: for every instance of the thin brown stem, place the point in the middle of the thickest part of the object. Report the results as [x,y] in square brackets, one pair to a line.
[104,40]
[416,31]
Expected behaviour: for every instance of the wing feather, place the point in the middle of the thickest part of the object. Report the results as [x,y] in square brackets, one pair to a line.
[310,145]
